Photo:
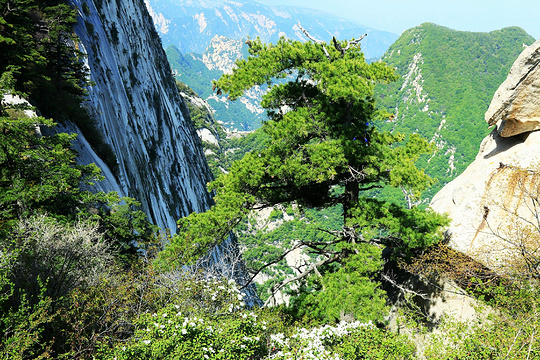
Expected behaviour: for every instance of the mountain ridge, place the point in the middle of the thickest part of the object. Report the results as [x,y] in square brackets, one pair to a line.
[448,78]
[190,25]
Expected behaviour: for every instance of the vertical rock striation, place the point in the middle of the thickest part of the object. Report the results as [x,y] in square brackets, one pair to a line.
[140,113]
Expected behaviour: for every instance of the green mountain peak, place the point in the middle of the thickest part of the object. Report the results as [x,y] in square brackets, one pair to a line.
[448,78]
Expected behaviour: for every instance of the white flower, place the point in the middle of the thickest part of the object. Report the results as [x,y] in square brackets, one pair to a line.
[147,341]
[184,331]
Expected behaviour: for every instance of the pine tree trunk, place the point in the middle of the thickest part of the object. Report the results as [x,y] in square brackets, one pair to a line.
[350,199]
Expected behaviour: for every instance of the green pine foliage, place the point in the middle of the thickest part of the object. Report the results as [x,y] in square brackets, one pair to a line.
[191,70]
[74,282]
[38,173]
[322,150]
[42,61]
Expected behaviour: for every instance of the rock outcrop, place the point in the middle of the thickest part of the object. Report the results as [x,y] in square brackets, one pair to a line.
[140,113]
[515,107]
[493,204]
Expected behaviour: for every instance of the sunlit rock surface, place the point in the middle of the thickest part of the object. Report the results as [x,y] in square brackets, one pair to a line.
[515,108]
[485,199]
[137,107]
[494,204]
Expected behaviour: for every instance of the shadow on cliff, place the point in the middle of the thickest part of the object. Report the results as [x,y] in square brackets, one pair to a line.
[439,282]
[411,293]
[503,144]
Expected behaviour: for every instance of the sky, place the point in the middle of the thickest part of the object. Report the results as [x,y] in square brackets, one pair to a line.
[397,16]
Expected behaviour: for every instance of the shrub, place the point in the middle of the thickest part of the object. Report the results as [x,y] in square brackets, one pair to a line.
[206,321]
[54,258]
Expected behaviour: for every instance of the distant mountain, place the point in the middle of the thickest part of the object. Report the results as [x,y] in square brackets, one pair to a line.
[203,39]
[198,71]
[447,81]
[190,25]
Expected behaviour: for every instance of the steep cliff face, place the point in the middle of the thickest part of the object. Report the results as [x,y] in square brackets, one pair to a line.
[139,111]
[137,107]
[494,205]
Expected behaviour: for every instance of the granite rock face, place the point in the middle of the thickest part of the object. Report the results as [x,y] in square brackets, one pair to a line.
[515,108]
[484,201]
[139,111]
[493,204]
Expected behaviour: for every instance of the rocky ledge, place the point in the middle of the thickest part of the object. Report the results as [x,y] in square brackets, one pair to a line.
[493,204]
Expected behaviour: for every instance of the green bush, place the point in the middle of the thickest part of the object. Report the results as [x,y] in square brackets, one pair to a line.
[212,324]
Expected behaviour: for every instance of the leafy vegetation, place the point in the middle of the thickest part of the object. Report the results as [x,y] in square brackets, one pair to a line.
[78,277]
[191,70]
[39,60]
[323,150]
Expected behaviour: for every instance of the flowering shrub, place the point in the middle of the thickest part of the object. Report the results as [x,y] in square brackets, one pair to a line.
[210,321]
[175,332]
[353,340]
[314,343]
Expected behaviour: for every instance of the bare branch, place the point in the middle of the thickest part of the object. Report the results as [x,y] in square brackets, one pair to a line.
[350,44]
[354,42]
[312,267]
[316,41]
[270,264]
[309,36]
[404,289]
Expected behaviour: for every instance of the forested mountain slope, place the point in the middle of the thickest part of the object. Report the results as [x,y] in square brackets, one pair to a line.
[447,80]
[198,71]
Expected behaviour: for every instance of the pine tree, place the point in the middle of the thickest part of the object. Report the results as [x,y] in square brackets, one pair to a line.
[324,149]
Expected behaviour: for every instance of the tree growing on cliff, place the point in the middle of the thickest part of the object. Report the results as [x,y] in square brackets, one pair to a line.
[324,149]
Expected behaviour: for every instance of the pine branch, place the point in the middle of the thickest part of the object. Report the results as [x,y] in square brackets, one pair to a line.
[316,41]
[313,267]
